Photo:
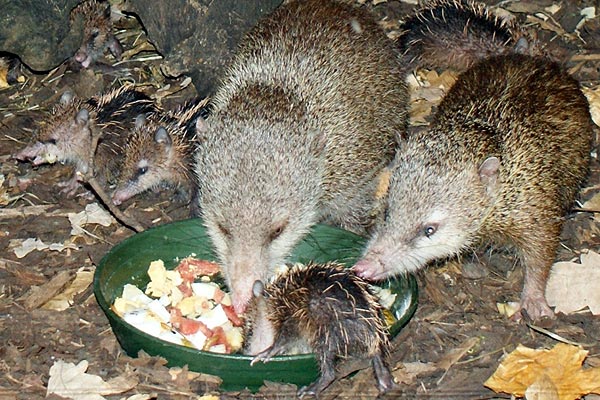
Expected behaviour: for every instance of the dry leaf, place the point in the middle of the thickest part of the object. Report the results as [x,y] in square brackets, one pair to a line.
[454,355]
[38,296]
[572,286]
[593,97]
[553,9]
[593,203]
[427,88]
[588,13]
[141,396]
[562,365]
[23,247]
[522,7]
[406,373]
[542,389]
[64,300]
[5,199]
[71,381]
[508,309]
[93,214]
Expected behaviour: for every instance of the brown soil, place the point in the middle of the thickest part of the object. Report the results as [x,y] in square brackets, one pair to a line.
[456,337]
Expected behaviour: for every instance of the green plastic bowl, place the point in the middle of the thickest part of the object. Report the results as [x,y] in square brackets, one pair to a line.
[128,263]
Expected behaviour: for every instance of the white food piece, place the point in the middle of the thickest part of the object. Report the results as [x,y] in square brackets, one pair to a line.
[194,306]
[147,322]
[198,340]
[206,290]
[172,337]
[144,321]
[215,317]
[384,296]
[226,300]
[176,295]
[132,299]
[218,348]
[159,311]
[150,313]
[165,300]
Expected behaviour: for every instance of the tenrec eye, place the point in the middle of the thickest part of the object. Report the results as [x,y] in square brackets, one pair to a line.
[429,230]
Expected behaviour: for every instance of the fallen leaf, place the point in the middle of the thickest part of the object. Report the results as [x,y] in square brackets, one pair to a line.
[508,309]
[140,396]
[23,247]
[562,365]
[593,97]
[27,246]
[4,77]
[5,199]
[454,355]
[574,286]
[407,373]
[93,214]
[71,381]
[593,204]
[62,301]
[542,389]
[522,7]
[427,88]
[553,9]
[38,296]
[588,14]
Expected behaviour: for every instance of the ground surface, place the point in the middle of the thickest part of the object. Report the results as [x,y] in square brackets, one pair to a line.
[450,347]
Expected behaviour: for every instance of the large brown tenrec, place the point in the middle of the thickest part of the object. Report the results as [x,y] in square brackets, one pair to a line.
[503,162]
[303,124]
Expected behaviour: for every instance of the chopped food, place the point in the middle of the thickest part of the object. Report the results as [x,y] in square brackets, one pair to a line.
[183,306]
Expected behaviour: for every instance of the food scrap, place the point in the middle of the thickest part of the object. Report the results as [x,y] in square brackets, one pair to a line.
[183,306]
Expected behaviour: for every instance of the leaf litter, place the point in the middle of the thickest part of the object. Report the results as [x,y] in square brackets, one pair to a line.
[448,350]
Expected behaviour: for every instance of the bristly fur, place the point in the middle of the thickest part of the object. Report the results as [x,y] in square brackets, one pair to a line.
[456,34]
[307,117]
[503,161]
[151,161]
[66,136]
[328,308]
[322,299]
[97,32]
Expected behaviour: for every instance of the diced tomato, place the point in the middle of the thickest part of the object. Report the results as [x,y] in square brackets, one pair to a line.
[220,338]
[186,289]
[219,296]
[188,326]
[232,316]
[190,268]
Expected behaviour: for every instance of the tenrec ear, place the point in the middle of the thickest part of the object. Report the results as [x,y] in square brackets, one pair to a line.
[201,130]
[258,288]
[83,117]
[140,121]
[66,97]
[162,136]
[488,173]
